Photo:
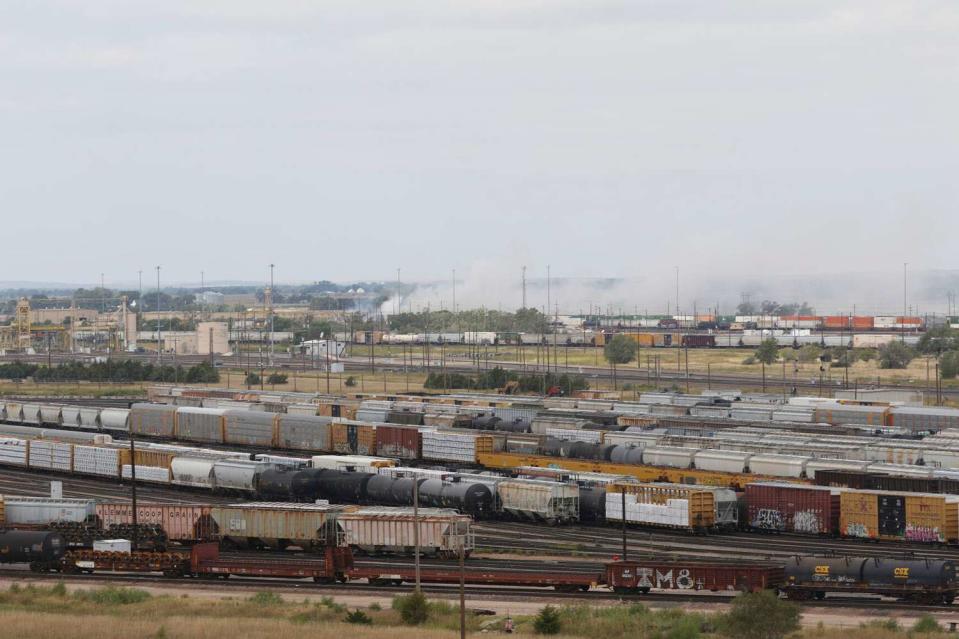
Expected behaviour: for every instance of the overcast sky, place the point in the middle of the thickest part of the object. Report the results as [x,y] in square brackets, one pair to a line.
[341,140]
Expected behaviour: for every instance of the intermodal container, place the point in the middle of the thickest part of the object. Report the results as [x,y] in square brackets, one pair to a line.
[812,510]
[836,321]
[863,322]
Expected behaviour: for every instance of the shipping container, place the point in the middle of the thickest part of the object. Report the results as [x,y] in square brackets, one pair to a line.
[811,510]
[278,524]
[180,522]
[393,530]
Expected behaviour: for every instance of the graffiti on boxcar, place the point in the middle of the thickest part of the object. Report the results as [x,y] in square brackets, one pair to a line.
[769,519]
[806,521]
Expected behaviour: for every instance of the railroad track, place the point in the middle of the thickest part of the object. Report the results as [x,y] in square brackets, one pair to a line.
[473,592]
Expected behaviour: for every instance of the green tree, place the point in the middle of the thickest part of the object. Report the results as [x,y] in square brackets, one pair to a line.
[949,365]
[619,350]
[895,354]
[768,351]
[926,624]
[760,615]
[252,379]
[938,340]
[547,621]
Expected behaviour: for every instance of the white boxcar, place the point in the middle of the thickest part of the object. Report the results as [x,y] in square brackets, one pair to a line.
[31,413]
[90,418]
[70,416]
[116,419]
[778,465]
[724,461]
[669,456]
[229,475]
[193,471]
[44,510]
[549,501]
[153,474]
[50,414]
[941,458]
[392,530]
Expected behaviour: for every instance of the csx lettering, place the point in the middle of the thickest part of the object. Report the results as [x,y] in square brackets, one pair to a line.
[901,572]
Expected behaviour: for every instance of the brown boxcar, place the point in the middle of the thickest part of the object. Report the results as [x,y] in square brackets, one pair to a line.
[399,441]
[643,576]
[180,522]
[777,506]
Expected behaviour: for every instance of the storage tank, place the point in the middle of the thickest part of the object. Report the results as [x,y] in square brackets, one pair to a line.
[889,572]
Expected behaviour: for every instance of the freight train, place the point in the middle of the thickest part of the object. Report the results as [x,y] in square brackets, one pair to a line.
[923,582]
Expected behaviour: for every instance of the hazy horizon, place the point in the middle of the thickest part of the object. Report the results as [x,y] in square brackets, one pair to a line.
[795,149]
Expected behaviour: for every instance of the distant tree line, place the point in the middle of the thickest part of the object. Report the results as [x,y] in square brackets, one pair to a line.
[111,371]
[498,378]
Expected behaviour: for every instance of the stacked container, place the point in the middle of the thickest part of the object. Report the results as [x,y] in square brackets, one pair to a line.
[668,505]
[450,446]
[51,455]
[96,460]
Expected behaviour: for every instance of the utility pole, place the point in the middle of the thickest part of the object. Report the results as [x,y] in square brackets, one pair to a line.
[396,304]
[416,533]
[454,293]
[623,497]
[133,492]
[524,287]
[548,306]
[902,328]
[139,299]
[270,309]
[159,332]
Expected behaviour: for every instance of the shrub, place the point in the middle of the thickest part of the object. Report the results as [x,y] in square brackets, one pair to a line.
[358,617]
[414,609]
[749,361]
[925,624]
[895,355]
[276,378]
[113,596]
[59,589]
[252,379]
[265,598]
[867,354]
[375,606]
[760,615]
[547,622]
[350,381]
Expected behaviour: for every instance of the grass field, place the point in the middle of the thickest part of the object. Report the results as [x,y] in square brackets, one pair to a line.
[54,612]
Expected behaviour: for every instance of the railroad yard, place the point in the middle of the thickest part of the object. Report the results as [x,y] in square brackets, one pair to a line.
[672,499]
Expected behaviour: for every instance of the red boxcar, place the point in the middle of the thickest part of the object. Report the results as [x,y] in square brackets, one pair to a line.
[643,576]
[404,442]
[775,506]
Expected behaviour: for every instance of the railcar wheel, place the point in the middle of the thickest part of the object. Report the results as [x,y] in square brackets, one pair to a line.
[948,599]
[819,595]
